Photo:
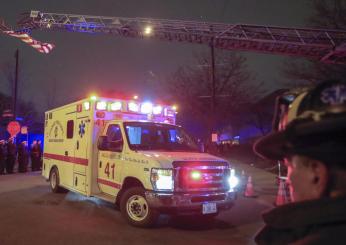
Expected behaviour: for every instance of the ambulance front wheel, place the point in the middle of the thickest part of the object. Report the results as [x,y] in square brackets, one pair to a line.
[135,209]
[54,180]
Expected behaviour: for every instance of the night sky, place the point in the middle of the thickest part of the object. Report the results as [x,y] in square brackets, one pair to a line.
[83,63]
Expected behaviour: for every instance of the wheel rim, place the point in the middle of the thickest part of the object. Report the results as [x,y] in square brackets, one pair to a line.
[137,208]
[53,180]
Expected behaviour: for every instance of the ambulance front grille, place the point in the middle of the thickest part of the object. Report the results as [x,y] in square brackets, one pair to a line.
[211,176]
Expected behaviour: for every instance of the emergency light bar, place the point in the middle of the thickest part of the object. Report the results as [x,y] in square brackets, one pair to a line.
[157,110]
[101,105]
[128,109]
[134,107]
[146,108]
[116,106]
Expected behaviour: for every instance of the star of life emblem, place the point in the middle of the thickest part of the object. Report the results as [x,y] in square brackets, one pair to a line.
[81,129]
[335,95]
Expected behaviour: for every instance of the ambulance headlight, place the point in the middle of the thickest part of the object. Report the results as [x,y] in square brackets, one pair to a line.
[233,180]
[162,179]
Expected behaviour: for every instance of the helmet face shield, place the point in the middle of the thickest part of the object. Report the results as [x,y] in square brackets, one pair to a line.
[286,108]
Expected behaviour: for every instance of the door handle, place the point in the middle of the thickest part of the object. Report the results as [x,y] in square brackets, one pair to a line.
[100,165]
[66,153]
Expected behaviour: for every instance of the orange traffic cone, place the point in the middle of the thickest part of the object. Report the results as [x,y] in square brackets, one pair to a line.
[283,195]
[249,191]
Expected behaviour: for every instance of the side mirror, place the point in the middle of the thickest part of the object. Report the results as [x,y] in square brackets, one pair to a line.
[102,143]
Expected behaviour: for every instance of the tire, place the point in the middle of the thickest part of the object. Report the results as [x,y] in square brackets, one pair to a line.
[135,209]
[54,181]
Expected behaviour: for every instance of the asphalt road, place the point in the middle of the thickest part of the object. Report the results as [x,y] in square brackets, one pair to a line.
[31,214]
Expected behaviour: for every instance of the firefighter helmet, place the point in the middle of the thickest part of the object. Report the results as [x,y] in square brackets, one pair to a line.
[317,130]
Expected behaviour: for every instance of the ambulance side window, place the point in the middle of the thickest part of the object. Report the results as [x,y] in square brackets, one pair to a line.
[69,129]
[114,138]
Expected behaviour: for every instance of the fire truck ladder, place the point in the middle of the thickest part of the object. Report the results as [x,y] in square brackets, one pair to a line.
[327,46]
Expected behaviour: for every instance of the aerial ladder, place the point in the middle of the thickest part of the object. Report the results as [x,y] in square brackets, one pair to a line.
[328,46]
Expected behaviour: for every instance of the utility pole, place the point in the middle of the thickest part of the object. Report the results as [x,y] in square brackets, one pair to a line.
[213,89]
[15,89]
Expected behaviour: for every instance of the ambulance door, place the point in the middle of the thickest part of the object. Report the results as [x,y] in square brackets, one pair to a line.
[109,160]
[67,148]
[82,129]
[81,152]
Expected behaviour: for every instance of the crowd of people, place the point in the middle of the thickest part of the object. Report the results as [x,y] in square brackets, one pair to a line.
[12,153]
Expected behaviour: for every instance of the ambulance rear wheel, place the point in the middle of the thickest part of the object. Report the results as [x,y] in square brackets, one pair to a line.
[54,180]
[135,209]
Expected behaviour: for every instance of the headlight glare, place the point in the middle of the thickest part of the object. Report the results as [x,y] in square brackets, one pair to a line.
[162,179]
[233,180]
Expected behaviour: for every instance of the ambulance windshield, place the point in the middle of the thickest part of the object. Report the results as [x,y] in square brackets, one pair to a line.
[161,137]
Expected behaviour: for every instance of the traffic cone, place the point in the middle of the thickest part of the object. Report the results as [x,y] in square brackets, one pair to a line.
[249,191]
[283,195]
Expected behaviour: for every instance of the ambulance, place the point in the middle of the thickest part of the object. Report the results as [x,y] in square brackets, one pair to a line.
[132,154]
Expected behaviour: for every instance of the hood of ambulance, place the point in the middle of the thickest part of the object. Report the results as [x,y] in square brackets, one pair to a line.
[165,159]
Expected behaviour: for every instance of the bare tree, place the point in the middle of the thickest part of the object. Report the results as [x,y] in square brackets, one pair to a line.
[192,88]
[25,110]
[330,14]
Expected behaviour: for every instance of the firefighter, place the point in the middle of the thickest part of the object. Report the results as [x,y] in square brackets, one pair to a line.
[11,156]
[313,147]
[35,154]
[2,157]
[23,157]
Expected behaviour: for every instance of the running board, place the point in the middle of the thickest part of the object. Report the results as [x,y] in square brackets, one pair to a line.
[105,197]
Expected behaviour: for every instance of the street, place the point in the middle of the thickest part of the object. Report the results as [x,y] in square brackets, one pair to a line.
[31,214]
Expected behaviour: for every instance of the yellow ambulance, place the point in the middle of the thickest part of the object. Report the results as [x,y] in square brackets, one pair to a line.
[132,154]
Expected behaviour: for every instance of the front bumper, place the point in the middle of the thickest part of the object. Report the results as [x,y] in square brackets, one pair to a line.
[189,203]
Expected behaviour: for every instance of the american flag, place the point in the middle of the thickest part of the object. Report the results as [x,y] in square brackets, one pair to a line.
[41,47]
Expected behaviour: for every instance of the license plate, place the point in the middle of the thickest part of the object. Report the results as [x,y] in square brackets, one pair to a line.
[209,208]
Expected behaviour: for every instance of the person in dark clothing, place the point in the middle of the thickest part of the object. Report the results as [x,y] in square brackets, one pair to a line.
[39,144]
[35,154]
[23,157]
[11,156]
[2,157]
[313,147]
